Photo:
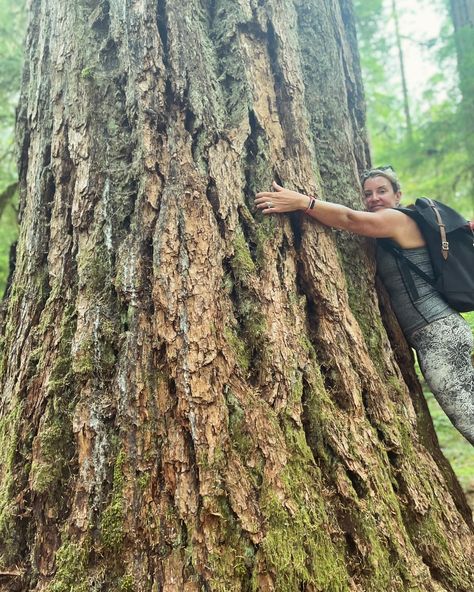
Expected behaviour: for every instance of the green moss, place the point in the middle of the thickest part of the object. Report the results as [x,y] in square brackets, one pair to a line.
[308,347]
[126,583]
[249,340]
[227,283]
[238,429]
[94,270]
[71,568]
[231,65]
[9,430]
[55,440]
[219,459]
[254,321]
[259,170]
[96,355]
[242,262]
[395,383]
[84,363]
[87,73]
[61,376]
[18,292]
[228,569]
[297,546]
[239,347]
[431,542]
[38,287]
[2,355]
[143,481]
[234,556]
[368,319]
[360,296]
[111,524]
[43,476]
[317,404]
[430,537]
[383,559]
[33,360]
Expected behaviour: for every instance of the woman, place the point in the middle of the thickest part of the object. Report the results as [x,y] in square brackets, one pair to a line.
[441,337]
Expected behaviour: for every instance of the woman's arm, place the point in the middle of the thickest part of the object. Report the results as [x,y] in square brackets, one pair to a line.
[385,223]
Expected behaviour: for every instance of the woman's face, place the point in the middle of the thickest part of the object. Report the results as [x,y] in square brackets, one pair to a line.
[379,194]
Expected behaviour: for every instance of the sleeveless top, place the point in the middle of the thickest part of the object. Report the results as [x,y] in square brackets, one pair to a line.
[411,314]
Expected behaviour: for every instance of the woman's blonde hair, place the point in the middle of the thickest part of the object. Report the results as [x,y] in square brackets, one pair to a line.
[384,171]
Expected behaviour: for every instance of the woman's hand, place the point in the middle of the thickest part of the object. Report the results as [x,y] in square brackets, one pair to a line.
[281,200]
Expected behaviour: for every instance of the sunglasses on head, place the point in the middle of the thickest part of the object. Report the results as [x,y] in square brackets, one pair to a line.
[370,172]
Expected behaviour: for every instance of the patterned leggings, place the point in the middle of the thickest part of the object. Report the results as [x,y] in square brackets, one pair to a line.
[444,353]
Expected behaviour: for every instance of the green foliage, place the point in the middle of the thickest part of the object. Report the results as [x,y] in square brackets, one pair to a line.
[436,160]
[384,104]
[12,27]
[8,235]
[469,316]
[12,19]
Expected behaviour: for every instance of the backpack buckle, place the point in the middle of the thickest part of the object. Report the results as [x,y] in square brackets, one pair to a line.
[445,245]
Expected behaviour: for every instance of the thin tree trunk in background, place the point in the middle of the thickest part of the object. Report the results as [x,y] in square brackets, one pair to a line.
[401,60]
[462,12]
[194,398]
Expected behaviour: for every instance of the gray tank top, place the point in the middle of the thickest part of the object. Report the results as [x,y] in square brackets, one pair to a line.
[411,314]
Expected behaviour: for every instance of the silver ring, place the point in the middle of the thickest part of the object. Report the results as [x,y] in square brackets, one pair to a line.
[270,204]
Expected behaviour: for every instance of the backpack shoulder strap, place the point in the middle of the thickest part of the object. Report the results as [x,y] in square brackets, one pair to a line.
[405,266]
[441,226]
[409,211]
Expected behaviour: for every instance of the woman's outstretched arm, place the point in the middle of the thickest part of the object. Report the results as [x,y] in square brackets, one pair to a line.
[381,224]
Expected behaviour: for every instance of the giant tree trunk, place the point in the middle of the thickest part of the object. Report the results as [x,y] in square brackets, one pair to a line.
[462,12]
[195,398]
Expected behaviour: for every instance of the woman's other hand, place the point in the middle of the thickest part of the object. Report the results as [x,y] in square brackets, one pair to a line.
[281,200]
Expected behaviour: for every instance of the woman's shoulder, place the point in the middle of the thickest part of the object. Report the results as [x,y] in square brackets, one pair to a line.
[409,235]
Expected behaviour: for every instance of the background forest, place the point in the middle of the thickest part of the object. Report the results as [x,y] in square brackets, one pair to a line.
[423,128]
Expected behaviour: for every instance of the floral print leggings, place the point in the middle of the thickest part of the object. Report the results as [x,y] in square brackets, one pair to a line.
[444,351]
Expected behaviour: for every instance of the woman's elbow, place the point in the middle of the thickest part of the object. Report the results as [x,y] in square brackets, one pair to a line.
[355,224]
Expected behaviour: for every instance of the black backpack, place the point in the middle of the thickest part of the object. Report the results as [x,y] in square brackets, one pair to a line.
[450,241]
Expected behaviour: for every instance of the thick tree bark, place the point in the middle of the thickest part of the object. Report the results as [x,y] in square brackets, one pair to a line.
[194,398]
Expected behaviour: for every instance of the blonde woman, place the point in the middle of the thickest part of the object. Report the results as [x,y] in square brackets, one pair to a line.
[441,337]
